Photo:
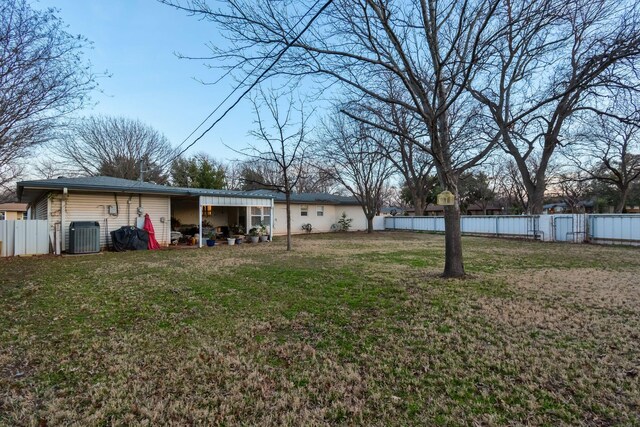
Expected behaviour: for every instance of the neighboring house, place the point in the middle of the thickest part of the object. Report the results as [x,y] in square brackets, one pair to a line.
[115,202]
[473,209]
[393,211]
[478,209]
[13,211]
[321,210]
[585,206]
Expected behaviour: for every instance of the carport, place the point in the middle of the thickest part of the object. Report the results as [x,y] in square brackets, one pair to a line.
[220,208]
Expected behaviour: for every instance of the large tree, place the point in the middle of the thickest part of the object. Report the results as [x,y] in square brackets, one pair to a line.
[402,146]
[553,59]
[606,148]
[43,78]
[118,147]
[198,171]
[430,49]
[349,152]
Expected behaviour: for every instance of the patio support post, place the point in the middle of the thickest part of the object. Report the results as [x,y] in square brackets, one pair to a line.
[271,221]
[200,220]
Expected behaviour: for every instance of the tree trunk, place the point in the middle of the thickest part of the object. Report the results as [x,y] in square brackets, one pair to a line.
[369,224]
[536,200]
[288,199]
[620,208]
[418,205]
[453,265]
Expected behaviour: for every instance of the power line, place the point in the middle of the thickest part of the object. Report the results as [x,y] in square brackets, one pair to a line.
[278,57]
[246,77]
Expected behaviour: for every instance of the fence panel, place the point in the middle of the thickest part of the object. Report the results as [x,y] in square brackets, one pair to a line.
[491,224]
[598,228]
[612,228]
[24,237]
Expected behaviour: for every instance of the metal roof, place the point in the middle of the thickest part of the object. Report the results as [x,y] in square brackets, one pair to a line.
[310,198]
[110,184]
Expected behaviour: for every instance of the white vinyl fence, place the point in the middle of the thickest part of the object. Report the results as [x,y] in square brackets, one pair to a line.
[24,237]
[614,228]
[577,228]
[494,225]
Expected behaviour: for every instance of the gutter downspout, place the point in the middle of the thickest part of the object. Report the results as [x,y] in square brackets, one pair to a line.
[63,210]
[273,213]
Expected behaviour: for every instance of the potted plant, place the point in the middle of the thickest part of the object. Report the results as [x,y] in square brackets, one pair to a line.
[263,233]
[238,230]
[254,234]
[211,241]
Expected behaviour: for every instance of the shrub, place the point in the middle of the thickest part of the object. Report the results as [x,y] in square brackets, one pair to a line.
[344,223]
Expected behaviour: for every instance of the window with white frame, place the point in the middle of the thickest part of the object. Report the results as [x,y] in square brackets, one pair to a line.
[3,215]
[319,210]
[304,210]
[260,215]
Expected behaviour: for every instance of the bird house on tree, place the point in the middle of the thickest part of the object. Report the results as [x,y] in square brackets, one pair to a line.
[446,198]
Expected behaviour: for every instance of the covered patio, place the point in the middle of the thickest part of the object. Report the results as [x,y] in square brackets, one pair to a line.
[213,213]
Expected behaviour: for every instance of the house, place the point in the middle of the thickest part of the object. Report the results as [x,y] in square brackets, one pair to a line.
[321,210]
[489,209]
[13,211]
[473,209]
[393,211]
[116,202]
[584,206]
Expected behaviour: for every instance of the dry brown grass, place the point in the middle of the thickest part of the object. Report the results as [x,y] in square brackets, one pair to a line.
[346,329]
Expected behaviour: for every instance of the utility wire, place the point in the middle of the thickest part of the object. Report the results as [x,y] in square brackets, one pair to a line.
[237,101]
[278,57]
[245,78]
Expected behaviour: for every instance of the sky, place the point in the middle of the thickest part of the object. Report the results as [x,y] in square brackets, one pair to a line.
[136,42]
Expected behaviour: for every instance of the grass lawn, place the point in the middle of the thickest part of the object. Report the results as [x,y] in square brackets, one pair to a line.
[346,329]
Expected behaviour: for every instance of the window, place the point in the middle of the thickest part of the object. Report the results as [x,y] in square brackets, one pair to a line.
[260,215]
[3,215]
[304,210]
[24,215]
[319,210]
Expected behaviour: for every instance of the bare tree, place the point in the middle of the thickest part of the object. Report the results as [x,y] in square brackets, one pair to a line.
[430,49]
[283,137]
[607,149]
[349,152]
[315,180]
[43,78]
[573,189]
[510,190]
[551,60]
[409,159]
[255,174]
[116,146]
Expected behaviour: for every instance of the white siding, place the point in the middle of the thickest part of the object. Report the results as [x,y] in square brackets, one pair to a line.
[320,224]
[356,213]
[93,207]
